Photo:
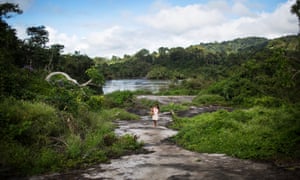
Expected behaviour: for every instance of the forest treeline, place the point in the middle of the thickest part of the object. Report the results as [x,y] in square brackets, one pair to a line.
[57,125]
[259,65]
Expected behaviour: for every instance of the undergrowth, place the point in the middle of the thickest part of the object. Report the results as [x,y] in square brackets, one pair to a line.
[38,138]
[255,133]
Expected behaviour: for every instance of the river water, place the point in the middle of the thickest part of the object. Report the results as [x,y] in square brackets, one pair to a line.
[134,84]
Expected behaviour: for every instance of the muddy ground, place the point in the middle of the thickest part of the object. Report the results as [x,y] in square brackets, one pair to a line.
[165,160]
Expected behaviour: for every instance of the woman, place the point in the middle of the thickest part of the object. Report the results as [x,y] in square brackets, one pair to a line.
[154,113]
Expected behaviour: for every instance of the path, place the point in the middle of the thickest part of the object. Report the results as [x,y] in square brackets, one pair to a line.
[168,161]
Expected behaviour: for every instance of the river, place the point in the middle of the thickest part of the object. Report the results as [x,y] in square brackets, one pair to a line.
[134,84]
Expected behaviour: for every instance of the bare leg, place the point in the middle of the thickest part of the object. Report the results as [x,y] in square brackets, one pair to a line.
[155,123]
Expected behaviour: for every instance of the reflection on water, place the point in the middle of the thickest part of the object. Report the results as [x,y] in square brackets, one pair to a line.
[134,84]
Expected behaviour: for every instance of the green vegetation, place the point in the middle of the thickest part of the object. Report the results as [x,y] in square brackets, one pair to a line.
[57,125]
[265,123]
[173,107]
[255,133]
[37,137]
[209,99]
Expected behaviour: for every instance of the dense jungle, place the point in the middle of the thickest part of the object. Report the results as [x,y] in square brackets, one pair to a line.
[58,124]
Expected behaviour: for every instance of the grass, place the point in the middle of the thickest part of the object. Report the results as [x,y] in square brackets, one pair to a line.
[256,133]
[38,138]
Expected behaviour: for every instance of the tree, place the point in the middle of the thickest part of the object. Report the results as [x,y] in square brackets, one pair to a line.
[37,55]
[96,76]
[38,36]
[162,51]
[143,55]
[295,9]
[55,52]
[7,8]
[9,43]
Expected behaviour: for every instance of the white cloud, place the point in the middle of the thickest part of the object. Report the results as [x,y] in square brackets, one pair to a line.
[240,9]
[218,21]
[280,22]
[181,19]
[167,26]
[71,42]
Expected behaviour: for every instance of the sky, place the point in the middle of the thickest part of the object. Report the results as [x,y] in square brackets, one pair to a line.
[106,28]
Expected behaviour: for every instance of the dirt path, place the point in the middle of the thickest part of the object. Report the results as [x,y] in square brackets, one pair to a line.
[168,161]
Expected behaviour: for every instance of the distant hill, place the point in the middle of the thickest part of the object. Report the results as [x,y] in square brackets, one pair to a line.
[236,45]
[192,61]
[289,43]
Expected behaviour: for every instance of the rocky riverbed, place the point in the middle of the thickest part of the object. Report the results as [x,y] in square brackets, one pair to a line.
[165,160]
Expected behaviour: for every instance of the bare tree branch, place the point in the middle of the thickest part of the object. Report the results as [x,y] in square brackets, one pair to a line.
[68,78]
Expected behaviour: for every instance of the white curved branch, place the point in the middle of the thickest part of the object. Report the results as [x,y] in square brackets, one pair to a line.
[86,83]
[68,78]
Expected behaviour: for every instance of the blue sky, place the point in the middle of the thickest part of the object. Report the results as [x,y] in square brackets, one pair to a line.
[116,27]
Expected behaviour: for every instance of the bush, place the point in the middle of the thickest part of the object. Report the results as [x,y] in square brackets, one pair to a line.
[257,133]
[208,99]
[63,99]
[126,144]
[265,101]
[46,160]
[15,157]
[190,86]
[36,138]
[173,107]
[118,114]
[118,99]
[74,145]
[29,122]
[95,102]
[179,91]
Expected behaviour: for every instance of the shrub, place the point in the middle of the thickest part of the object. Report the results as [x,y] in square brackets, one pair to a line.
[205,99]
[125,144]
[173,107]
[265,101]
[29,122]
[74,143]
[63,99]
[95,102]
[118,99]
[46,160]
[257,133]
[15,157]
[118,114]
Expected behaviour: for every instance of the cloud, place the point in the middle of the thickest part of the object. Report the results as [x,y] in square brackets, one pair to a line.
[165,25]
[72,43]
[219,21]
[271,25]
[241,10]
[181,19]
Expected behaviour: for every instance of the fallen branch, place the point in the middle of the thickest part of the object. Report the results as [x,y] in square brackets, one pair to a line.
[68,78]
